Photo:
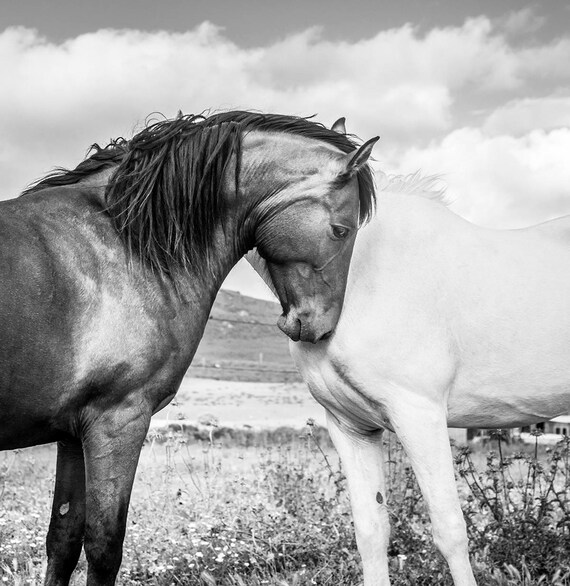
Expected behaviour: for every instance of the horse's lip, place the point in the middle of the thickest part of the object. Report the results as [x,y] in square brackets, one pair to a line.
[300,333]
[311,338]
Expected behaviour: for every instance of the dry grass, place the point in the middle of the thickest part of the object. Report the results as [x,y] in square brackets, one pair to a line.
[272,509]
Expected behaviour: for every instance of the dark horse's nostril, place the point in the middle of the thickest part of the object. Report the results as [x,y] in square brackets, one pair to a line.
[325,336]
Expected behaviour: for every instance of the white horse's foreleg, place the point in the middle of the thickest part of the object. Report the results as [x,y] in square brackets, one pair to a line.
[362,461]
[421,426]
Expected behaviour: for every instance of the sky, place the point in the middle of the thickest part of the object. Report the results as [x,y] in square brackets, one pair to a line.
[477,92]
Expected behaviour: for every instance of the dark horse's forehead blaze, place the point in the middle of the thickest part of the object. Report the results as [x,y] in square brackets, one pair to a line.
[164,197]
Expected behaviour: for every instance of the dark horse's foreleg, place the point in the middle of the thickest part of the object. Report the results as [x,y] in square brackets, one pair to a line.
[112,446]
[65,535]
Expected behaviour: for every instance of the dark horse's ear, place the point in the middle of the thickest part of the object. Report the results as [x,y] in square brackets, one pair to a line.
[358,158]
[339,126]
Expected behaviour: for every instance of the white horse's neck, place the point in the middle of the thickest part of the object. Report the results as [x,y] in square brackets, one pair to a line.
[405,226]
[408,207]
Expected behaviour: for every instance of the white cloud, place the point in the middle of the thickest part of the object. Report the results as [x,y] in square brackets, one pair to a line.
[542,64]
[57,98]
[518,117]
[501,181]
[414,90]
[522,22]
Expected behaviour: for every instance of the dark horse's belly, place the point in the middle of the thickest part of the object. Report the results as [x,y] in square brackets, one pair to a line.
[19,430]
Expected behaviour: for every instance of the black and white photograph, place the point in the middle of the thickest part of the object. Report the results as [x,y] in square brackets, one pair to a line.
[284,293]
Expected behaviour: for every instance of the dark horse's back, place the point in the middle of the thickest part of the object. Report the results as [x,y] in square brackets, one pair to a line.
[64,345]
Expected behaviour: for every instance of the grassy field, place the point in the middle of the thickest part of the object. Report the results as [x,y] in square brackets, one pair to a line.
[245,502]
[213,506]
[242,342]
[240,403]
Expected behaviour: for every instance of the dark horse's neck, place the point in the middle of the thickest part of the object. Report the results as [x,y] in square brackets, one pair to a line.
[231,238]
[185,196]
[181,203]
[241,202]
[189,266]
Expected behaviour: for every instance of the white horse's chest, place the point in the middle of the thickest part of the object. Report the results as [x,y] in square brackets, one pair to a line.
[361,392]
[331,385]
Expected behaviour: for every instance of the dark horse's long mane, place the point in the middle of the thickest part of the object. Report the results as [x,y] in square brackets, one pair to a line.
[163,197]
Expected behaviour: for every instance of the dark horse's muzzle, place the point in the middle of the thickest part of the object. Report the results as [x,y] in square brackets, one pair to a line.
[308,326]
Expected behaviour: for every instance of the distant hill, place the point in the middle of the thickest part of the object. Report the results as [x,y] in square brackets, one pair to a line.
[242,342]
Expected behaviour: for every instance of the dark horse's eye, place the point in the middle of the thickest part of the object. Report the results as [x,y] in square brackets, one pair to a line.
[340,232]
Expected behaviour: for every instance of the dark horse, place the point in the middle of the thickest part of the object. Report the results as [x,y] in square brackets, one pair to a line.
[108,273]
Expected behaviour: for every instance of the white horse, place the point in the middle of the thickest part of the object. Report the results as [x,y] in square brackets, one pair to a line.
[444,324]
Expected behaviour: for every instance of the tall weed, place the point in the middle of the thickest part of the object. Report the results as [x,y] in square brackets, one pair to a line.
[518,511]
[219,507]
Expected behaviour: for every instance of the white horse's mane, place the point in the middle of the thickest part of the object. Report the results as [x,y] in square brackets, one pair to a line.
[429,186]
